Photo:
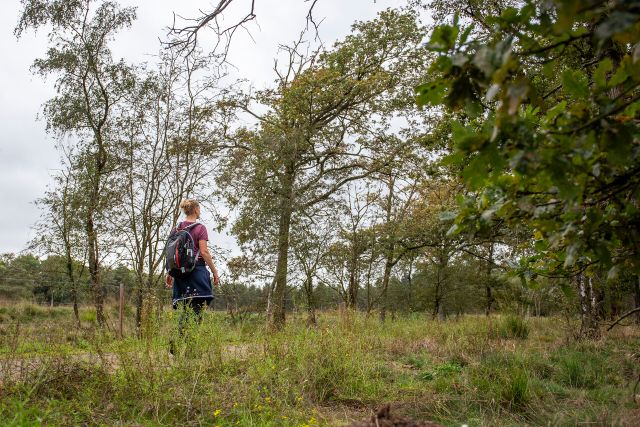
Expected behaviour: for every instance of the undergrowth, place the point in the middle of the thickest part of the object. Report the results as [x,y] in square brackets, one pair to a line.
[474,371]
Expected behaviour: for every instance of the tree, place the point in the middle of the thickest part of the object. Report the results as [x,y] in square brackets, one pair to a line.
[61,223]
[166,139]
[548,130]
[320,131]
[90,87]
[310,241]
[346,257]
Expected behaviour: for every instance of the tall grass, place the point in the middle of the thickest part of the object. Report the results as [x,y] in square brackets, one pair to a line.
[222,374]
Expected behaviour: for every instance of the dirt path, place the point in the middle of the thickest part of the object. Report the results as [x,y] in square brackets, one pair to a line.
[18,367]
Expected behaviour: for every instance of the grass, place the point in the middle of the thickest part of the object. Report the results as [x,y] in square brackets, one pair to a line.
[475,371]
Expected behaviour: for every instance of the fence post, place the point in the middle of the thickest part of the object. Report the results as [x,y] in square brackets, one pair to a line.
[121,311]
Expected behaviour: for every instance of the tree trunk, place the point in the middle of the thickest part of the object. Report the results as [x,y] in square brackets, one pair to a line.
[437,299]
[139,307]
[94,271]
[588,321]
[311,307]
[385,282]
[489,282]
[74,285]
[352,291]
[95,178]
[441,281]
[637,297]
[76,311]
[276,308]
[388,264]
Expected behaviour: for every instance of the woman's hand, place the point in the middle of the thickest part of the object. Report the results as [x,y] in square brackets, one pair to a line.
[168,281]
[206,256]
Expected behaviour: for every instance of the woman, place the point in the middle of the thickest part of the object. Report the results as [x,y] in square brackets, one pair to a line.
[193,291]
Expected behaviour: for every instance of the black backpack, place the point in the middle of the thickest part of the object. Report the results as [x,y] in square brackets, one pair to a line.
[181,252]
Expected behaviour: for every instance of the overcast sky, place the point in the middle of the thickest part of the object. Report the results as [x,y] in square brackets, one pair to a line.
[27,154]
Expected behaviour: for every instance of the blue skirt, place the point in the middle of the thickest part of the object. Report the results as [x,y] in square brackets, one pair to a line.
[197,284]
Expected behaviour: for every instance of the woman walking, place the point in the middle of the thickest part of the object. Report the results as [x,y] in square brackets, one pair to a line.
[193,291]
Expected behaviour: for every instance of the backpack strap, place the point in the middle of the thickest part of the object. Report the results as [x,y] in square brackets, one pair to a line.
[187,227]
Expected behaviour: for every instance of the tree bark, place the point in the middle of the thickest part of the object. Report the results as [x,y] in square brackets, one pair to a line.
[437,298]
[588,320]
[94,271]
[311,307]
[352,291]
[385,282]
[74,285]
[489,283]
[276,313]
[388,264]
[637,297]
[441,280]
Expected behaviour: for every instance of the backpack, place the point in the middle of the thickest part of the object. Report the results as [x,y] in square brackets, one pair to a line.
[181,252]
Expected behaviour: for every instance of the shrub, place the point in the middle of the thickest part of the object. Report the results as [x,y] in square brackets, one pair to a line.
[504,379]
[514,326]
[579,369]
[516,389]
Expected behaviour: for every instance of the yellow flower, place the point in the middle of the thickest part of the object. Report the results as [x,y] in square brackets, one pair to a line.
[267,399]
[217,412]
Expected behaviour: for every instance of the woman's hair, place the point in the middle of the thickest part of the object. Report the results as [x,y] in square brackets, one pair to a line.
[189,206]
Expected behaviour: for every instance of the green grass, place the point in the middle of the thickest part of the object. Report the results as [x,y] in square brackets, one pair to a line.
[457,372]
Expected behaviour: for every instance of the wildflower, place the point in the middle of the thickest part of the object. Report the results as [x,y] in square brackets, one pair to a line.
[267,399]
[217,412]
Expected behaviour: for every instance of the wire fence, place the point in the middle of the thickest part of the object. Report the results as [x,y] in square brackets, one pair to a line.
[60,293]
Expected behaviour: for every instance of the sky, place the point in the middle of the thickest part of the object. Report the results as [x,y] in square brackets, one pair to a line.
[27,154]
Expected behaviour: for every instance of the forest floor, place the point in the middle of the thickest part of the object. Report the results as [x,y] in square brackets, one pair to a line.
[472,370]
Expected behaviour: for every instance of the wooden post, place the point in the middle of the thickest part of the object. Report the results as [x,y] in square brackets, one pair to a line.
[121,311]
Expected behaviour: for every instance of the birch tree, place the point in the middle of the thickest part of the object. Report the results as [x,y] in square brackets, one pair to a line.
[90,88]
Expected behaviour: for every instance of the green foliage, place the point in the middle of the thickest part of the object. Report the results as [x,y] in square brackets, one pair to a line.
[547,126]
[443,370]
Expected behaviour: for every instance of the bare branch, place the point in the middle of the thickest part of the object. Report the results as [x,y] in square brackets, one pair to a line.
[624,316]
[185,38]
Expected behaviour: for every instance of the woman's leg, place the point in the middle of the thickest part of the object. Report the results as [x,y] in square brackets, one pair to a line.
[191,308]
[198,306]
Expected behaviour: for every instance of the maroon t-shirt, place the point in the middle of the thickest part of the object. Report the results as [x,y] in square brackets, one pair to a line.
[198,232]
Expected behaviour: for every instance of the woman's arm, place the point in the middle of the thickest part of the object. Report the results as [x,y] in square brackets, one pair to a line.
[206,256]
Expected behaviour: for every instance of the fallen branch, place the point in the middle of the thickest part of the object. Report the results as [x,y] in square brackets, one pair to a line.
[627,314]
